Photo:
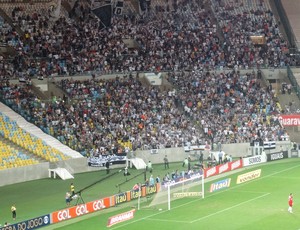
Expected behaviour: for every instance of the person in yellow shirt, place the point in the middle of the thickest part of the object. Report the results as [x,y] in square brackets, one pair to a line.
[72,189]
[13,212]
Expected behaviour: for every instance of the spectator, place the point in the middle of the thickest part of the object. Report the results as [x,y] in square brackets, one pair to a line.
[107,167]
[220,155]
[185,162]
[68,199]
[126,172]
[166,162]
[14,212]
[201,158]
[149,166]
[157,179]
[151,181]
[136,187]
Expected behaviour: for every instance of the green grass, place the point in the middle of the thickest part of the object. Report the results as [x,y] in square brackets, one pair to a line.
[43,196]
[257,204]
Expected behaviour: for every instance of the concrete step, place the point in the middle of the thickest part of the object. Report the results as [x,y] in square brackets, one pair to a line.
[138,163]
[19,148]
[61,172]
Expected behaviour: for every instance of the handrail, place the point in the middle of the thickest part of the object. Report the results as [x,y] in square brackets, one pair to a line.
[23,1]
[285,22]
[293,81]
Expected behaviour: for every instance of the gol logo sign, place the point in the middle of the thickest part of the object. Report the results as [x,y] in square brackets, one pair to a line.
[98,205]
[80,210]
[69,213]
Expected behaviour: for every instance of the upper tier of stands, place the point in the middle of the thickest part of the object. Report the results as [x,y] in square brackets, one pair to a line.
[239,21]
[185,37]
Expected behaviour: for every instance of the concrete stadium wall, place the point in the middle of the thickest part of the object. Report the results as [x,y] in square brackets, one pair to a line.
[178,154]
[269,73]
[76,165]
[40,171]
[79,165]
[295,70]
[25,173]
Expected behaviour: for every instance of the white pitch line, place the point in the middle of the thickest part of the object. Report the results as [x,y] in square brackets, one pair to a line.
[179,206]
[247,191]
[286,177]
[226,209]
[172,221]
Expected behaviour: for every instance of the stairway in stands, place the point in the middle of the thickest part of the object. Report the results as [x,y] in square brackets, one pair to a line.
[20,149]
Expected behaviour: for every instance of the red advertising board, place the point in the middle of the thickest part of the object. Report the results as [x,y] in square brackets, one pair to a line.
[80,210]
[223,168]
[120,217]
[211,171]
[236,164]
[289,120]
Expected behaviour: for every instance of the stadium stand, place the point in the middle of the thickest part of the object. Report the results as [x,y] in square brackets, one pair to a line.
[242,20]
[11,157]
[11,131]
[232,107]
[60,48]
[124,114]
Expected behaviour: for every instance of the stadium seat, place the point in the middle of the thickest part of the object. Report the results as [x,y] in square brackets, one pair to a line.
[25,140]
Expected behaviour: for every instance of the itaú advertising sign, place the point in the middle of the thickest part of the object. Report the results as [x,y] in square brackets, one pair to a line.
[289,120]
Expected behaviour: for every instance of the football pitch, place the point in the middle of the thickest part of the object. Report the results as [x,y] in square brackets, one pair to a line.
[257,204]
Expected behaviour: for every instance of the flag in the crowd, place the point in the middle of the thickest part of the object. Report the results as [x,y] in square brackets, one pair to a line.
[118,10]
[153,151]
[269,144]
[143,6]
[55,10]
[104,13]
[98,3]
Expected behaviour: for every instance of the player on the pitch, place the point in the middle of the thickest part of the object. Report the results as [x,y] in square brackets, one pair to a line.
[290,201]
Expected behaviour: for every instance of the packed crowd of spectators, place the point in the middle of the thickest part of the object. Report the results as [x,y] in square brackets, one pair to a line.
[122,114]
[231,107]
[239,21]
[167,40]
[106,115]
